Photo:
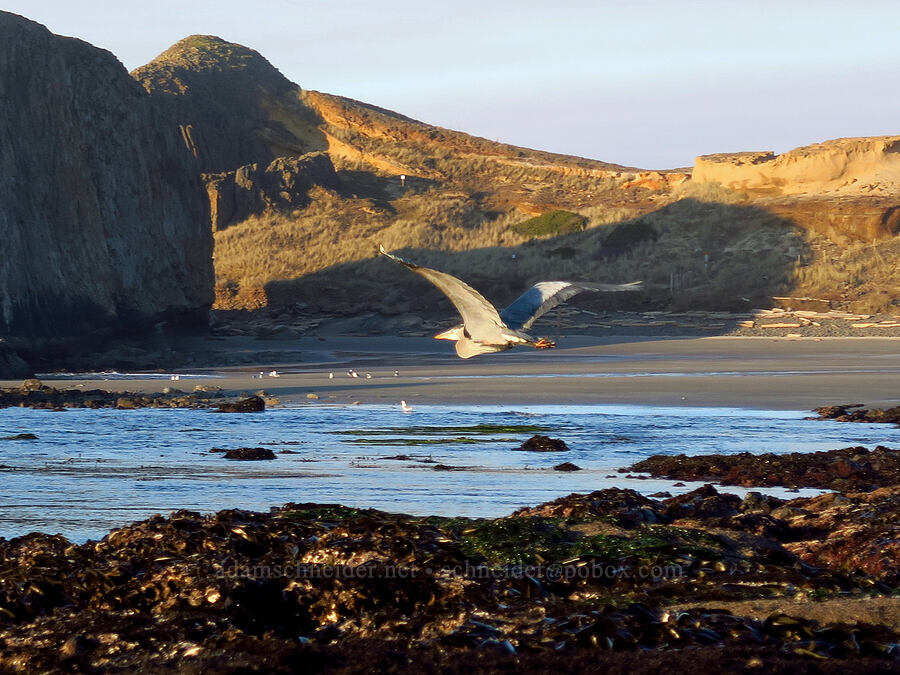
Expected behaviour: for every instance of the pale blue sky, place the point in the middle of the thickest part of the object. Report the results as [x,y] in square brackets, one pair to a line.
[646,83]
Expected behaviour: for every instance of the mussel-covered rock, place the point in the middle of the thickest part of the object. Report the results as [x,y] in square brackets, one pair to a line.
[538,443]
[585,582]
[855,412]
[249,453]
[38,395]
[245,405]
[855,468]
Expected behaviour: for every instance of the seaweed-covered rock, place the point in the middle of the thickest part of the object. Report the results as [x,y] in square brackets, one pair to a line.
[856,533]
[855,468]
[626,507]
[567,466]
[855,412]
[245,405]
[704,502]
[249,453]
[45,397]
[538,443]
[320,584]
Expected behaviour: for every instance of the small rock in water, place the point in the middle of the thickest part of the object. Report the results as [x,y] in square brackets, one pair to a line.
[19,437]
[249,453]
[249,404]
[538,443]
[567,466]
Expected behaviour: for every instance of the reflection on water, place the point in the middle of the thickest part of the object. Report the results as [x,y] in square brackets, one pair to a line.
[92,470]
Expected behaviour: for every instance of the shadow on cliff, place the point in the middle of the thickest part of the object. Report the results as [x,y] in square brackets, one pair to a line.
[381,190]
[691,255]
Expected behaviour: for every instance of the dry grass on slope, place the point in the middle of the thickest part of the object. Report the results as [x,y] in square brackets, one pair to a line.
[862,277]
[690,253]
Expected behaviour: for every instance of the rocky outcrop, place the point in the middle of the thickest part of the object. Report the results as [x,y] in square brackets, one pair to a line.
[233,107]
[856,468]
[854,166]
[843,220]
[843,189]
[103,220]
[12,366]
[587,583]
[281,186]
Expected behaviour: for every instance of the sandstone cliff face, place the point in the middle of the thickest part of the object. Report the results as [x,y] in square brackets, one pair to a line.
[845,189]
[847,166]
[103,217]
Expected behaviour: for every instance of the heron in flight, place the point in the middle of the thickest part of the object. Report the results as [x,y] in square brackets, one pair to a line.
[485,330]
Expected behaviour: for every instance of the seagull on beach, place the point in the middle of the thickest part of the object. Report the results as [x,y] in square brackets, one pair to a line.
[485,330]
[330,376]
[352,373]
[274,373]
[404,407]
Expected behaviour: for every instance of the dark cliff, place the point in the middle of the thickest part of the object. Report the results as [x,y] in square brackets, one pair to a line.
[233,106]
[104,221]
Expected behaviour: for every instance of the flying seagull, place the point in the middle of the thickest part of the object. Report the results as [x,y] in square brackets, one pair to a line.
[484,329]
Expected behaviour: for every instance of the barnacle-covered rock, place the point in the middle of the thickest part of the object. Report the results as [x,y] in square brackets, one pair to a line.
[855,468]
[584,581]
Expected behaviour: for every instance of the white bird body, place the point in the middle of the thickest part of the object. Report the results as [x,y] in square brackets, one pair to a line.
[404,407]
[485,330]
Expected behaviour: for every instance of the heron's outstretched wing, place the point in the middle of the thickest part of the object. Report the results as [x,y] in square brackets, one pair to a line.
[479,316]
[545,295]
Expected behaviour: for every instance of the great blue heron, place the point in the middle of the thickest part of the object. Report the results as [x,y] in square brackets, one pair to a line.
[484,329]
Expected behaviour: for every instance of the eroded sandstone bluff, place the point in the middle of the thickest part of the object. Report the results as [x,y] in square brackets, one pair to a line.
[103,216]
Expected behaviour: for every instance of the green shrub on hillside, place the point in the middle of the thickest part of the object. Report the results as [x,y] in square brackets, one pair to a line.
[550,224]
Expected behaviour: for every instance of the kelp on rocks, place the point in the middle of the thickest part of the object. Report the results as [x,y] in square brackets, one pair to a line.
[318,584]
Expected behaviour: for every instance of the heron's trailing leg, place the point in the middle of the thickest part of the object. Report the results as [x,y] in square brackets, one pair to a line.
[544,343]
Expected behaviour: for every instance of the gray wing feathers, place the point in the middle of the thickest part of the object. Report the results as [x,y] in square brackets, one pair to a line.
[536,301]
[545,295]
[474,309]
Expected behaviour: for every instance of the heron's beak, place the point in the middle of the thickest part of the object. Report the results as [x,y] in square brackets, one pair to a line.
[447,335]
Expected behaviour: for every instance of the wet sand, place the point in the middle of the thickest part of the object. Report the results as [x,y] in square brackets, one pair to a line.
[763,373]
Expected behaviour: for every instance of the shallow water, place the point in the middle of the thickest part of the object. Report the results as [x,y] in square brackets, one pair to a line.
[93,470]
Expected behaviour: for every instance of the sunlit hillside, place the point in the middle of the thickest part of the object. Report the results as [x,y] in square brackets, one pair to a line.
[306,229]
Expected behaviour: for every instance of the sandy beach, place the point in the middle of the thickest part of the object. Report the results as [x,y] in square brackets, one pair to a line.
[762,373]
